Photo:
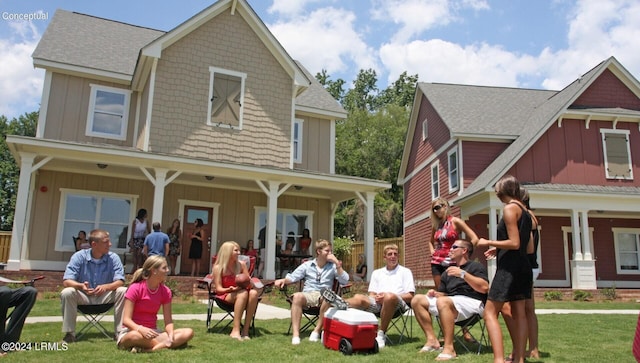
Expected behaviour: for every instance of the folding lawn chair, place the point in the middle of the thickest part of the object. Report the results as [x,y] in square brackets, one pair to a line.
[311,314]
[93,314]
[402,323]
[208,284]
[474,345]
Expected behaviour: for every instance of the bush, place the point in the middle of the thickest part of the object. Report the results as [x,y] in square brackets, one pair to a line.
[342,247]
[553,295]
[581,295]
[609,293]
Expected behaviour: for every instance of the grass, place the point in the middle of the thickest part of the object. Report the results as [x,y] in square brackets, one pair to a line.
[564,338]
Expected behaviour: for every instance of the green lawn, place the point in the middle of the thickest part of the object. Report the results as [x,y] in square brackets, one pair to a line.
[563,338]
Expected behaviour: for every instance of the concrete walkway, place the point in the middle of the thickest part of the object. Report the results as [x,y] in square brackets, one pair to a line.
[266,312]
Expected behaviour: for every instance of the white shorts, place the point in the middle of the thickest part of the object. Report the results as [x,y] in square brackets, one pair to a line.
[464,305]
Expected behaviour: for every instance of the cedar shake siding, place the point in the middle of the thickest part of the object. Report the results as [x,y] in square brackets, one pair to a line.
[180,102]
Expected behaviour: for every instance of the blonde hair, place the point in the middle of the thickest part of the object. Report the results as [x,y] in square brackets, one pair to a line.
[224,256]
[388,247]
[435,221]
[322,243]
[152,263]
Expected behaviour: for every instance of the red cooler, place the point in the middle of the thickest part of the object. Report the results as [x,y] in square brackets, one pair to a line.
[350,330]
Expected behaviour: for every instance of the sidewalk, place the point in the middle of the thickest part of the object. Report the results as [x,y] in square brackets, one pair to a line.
[266,312]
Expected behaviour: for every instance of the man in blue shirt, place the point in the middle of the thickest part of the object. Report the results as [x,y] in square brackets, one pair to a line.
[318,273]
[156,242]
[93,276]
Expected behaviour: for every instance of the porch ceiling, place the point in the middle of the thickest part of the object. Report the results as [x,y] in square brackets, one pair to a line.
[126,162]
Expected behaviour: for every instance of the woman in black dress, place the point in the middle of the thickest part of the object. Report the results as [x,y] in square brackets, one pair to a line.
[198,236]
[513,278]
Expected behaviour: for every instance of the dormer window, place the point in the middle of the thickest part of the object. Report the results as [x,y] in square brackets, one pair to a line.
[226,98]
[108,112]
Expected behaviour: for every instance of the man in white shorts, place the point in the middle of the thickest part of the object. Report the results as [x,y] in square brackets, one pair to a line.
[391,288]
[462,293]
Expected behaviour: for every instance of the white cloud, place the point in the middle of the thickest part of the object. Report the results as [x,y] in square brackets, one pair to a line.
[597,30]
[291,8]
[20,83]
[437,60]
[325,39]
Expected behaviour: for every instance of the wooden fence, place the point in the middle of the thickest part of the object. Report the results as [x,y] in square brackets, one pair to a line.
[5,243]
[378,252]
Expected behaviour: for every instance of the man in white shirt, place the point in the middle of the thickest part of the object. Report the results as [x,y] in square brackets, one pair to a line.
[391,289]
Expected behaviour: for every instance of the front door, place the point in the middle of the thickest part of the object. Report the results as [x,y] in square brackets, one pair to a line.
[191,213]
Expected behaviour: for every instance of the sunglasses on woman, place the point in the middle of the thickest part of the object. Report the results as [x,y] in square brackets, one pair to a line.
[438,207]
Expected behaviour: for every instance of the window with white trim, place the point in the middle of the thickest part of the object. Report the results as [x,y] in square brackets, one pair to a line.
[435,180]
[85,211]
[287,221]
[617,154]
[297,140]
[108,112]
[627,247]
[226,98]
[454,177]
[425,130]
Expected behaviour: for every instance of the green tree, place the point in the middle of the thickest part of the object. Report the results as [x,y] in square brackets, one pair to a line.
[24,125]
[335,88]
[369,144]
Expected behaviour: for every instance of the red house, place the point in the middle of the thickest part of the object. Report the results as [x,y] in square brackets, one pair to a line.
[576,151]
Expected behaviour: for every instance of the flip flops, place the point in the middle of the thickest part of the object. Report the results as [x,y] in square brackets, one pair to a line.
[429,349]
[445,356]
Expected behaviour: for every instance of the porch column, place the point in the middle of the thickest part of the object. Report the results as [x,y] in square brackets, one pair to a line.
[270,232]
[368,201]
[159,181]
[586,236]
[583,274]
[20,213]
[492,264]
[575,232]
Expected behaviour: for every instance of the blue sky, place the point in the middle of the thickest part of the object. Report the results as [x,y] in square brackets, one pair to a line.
[514,43]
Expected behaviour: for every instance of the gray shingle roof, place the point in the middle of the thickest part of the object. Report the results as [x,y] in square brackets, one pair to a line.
[484,110]
[317,97]
[95,43]
[580,188]
[536,124]
[106,45]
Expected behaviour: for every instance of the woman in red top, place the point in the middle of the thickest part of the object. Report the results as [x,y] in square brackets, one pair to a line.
[446,230]
[225,269]
[305,242]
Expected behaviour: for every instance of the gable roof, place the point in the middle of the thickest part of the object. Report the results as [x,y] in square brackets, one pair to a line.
[540,119]
[107,49]
[241,7]
[88,44]
[482,110]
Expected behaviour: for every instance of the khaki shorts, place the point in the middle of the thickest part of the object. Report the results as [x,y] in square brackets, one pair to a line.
[313,298]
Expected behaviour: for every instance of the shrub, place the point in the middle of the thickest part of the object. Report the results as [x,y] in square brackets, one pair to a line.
[609,293]
[342,247]
[581,295]
[173,286]
[552,295]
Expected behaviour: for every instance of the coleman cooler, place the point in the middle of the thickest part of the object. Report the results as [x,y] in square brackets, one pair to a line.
[350,330]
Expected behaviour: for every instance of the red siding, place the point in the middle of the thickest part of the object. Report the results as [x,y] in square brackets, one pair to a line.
[417,194]
[476,156]
[417,257]
[573,154]
[608,91]
[438,134]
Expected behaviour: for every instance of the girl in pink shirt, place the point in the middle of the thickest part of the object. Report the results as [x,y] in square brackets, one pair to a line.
[146,294]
